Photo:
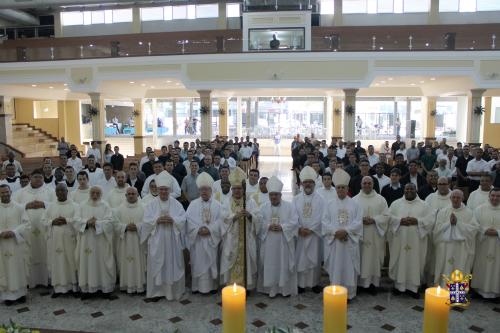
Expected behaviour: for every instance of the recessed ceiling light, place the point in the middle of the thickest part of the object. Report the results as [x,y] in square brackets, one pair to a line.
[427,44]
[91,45]
[131,82]
[382,82]
[33,85]
[168,81]
[433,79]
[177,84]
[152,87]
[66,89]
[51,87]
[143,84]
[412,84]
[376,84]
[390,78]
[422,81]
[140,43]
[65,84]
[381,48]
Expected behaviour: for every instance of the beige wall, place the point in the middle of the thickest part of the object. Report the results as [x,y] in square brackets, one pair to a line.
[24,114]
[490,130]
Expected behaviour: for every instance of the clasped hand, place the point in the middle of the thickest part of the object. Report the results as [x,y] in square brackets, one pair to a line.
[203,231]
[7,234]
[408,221]
[368,220]
[453,219]
[35,205]
[491,232]
[59,221]
[304,232]
[131,227]
[165,219]
[341,235]
[275,227]
[242,213]
[91,222]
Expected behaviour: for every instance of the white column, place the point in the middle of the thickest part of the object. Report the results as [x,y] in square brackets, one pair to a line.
[5,120]
[206,118]
[349,119]
[239,117]
[154,106]
[474,129]
[462,118]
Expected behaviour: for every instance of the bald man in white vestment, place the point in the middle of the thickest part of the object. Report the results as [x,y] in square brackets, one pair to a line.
[164,226]
[481,195]
[94,248]
[440,198]
[116,197]
[60,218]
[82,192]
[375,224]
[342,229]
[13,250]
[278,272]
[486,269]
[204,220]
[130,253]
[309,206]
[454,239]
[35,198]
[411,221]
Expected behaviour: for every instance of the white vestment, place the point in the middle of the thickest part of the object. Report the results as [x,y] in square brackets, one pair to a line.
[373,242]
[116,197]
[14,254]
[165,262]
[80,196]
[437,201]
[94,248]
[230,241]
[203,249]
[61,245]
[148,198]
[308,255]
[37,240]
[221,197]
[342,258]
[278,272]
[454,244]
[95,177]
[327,195]
[106,185]
[408,244]
[130,253]
[477,198]
[175,189]
[259,198]
[486,269]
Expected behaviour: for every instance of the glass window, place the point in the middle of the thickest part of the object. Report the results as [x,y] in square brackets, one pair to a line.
[412,6]
[122,15]
[398,6]
[385,6]
[152,14]
[215,118]
[191,12]
[179,12]
[371,6]
[87,18]
[206,11]
[326,7]
[286,39]
[165,114]
[353,6]
[148,116]
[486,5]
[495,110]
[167,13]
[108,16]
[233,10]
[446,118]
[467,6]
[72,18]
[448,5]
[119,118]
[98,17]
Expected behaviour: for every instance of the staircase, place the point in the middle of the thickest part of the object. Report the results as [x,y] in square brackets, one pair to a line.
[33,142]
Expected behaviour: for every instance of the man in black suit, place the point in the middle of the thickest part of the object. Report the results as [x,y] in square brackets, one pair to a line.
[394,190]
[132,179]
[355,183]
[430,186]
[413,176]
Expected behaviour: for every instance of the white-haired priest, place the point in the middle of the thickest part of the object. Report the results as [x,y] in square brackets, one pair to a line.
[309,206]
[342,229]
[164,223]
[204,219]
[278,273]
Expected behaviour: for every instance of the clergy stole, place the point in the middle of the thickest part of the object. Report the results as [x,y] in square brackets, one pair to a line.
[237,271]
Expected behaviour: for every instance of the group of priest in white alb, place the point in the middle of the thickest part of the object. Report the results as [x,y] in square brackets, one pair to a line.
[85,241]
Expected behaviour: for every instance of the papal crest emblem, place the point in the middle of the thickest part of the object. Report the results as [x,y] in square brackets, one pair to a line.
[458,286]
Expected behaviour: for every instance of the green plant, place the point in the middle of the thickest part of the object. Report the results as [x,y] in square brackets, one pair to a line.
[221,111]
[433,113]
[204,109]
[136,113]
[93,111]
[337,111]
[14,328]
[349,109]
[275,329]
[479,110]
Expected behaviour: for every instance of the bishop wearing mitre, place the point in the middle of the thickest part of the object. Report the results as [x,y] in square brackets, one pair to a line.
[164,225]
[486,271]
[236,217]
[454,237]
[411,221]
[372,245]
[13,250]
[204,220]
[278,273]
[309,205]
[130,253]
[94,248]
[342,229]
[60,217]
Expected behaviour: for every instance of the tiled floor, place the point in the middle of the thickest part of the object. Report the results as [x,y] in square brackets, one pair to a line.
[202,314]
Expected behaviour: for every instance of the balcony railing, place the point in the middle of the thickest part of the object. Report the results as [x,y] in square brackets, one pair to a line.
[324,39]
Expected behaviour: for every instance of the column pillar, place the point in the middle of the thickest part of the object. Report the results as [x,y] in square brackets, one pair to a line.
[248,125]
[206,118]
[223,105]
[98,120]
[136,20]
[239,117]
[434,12]
[474,120]
[58,29]
[429,120]
[154,108]
[174,117]
[337,12]
[139,126]
[5,120]
[349,119]
[222,19]
[336,111]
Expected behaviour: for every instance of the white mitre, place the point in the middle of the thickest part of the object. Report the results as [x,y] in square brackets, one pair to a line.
[204,180]
[340,177]
[274,185]
[163,179]
[308,173]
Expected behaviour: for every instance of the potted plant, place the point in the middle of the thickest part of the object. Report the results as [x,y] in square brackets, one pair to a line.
[204,109]
[221,111]
[93,111]
[433,113]
[136,113]
[337,111]
[479,110]
[349,109]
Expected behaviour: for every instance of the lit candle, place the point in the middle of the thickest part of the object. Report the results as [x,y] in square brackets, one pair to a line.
[436,310]
[334,309]
[233,309]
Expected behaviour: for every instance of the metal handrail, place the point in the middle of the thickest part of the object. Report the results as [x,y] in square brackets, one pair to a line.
[17,151]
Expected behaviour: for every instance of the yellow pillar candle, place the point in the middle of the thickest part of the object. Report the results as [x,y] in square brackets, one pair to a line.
[334,309]
[233,309]
[436,310]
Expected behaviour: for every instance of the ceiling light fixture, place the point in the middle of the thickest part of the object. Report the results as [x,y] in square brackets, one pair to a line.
[131,82]
[382,82]
[140,43]
[143,84]
[390,79]
[433,79]
[33,85]
[412,84]
[51,87]
[65,84]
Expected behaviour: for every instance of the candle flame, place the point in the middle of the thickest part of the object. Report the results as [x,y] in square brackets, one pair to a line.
[234,287]
[333,289]
[439,290]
